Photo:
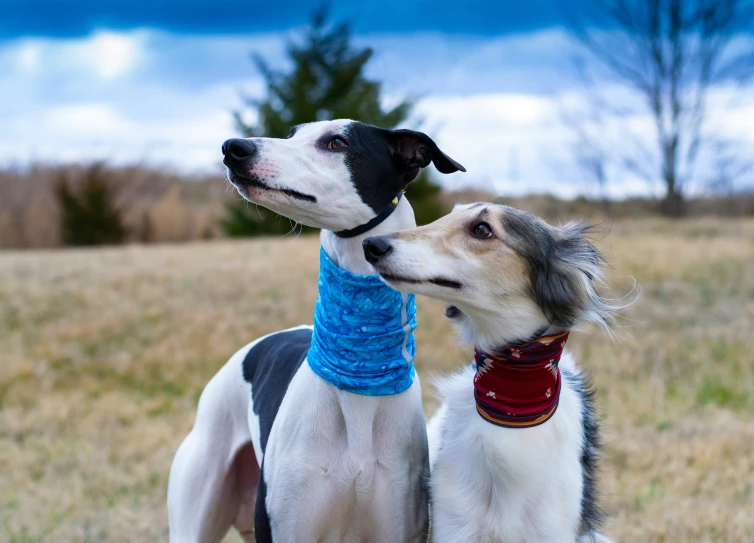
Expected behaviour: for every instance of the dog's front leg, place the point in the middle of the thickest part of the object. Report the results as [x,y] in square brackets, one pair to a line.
[401,482]
[295,507]
[401,512]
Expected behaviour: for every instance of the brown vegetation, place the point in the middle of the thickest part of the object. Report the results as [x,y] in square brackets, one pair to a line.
[105,352]
[158,206]
[161,207]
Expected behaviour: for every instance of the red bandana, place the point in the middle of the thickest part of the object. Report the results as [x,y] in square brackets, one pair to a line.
[519,387]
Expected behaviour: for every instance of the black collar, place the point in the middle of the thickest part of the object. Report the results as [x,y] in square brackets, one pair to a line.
[366,227]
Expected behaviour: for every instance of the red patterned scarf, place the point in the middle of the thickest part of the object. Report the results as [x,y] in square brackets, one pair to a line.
[519,387]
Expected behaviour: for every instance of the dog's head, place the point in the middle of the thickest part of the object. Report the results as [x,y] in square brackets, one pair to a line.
[334,175]
[505,274]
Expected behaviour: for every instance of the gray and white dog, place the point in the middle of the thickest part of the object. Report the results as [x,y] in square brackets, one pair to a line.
[277,451]
[514,287]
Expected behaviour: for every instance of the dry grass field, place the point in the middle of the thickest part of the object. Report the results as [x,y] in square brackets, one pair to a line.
[103,355]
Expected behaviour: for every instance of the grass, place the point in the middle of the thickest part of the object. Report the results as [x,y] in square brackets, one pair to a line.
[105,352]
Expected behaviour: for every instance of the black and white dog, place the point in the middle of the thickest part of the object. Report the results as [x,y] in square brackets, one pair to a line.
[277,451]
[515,441]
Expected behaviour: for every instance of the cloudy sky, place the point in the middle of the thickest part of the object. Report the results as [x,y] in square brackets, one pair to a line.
[154,82]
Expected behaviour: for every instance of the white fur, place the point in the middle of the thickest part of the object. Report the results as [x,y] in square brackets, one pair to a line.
[339,467]
[494,484]
[204,494]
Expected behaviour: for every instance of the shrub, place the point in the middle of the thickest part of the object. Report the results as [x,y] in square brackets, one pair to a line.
[90,215]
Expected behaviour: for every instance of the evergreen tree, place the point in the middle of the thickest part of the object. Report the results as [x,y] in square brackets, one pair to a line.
[327,82]
[90,215]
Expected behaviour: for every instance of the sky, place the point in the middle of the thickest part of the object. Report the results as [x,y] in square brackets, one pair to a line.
[156,82]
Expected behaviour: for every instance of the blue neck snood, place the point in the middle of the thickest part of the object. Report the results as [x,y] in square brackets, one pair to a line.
[363,339]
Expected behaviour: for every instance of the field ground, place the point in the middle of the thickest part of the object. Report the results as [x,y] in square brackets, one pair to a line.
[104,354]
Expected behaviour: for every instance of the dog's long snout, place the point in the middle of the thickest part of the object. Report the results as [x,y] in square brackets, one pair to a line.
[237,150]
[375,248]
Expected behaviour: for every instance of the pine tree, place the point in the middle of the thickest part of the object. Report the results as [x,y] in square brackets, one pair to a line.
[90,215]
[327,82]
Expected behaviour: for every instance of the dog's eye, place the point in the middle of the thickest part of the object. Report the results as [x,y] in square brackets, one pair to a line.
[337,143]
[481,230]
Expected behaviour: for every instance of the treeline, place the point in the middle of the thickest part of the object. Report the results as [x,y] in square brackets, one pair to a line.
[54,206]
[95,204]
[47,206]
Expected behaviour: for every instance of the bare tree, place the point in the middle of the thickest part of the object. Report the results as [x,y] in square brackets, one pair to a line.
[668,53]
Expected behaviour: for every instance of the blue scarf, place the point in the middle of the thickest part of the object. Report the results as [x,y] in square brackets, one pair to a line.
[363,339]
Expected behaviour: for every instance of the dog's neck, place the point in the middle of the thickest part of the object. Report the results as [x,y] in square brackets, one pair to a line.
[517,383]
[518,386]
[348,253]
[490,329]
[363,339]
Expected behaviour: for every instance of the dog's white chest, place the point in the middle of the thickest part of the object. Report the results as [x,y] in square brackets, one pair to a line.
[504,485]
[332,462]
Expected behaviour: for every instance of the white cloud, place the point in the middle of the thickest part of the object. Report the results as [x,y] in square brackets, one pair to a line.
[98,131]
[111,54]
[104,55]
[494,104]
[27,57]
[501,139]
[430,63]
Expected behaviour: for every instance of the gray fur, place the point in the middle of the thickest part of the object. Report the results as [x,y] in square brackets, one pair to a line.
[564,267]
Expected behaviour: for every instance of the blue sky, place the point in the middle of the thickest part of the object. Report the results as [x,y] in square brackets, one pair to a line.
[75,18]
[155,82]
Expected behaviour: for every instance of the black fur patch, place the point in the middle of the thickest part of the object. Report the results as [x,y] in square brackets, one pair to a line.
[262,524]
[424,498]
[383,162]
[269,367]
[592,515]
[369,159]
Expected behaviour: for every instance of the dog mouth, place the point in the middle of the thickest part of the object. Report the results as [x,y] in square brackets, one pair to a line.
[244,181]
[439,281]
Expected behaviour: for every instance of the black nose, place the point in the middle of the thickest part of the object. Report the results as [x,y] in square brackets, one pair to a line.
[375,248]
[238,150]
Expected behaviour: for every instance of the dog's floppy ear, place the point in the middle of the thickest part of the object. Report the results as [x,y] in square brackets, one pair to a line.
[566,286]
[564,267]
[415,150]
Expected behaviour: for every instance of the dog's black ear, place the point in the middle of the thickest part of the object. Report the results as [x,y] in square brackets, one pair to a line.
[415,150]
